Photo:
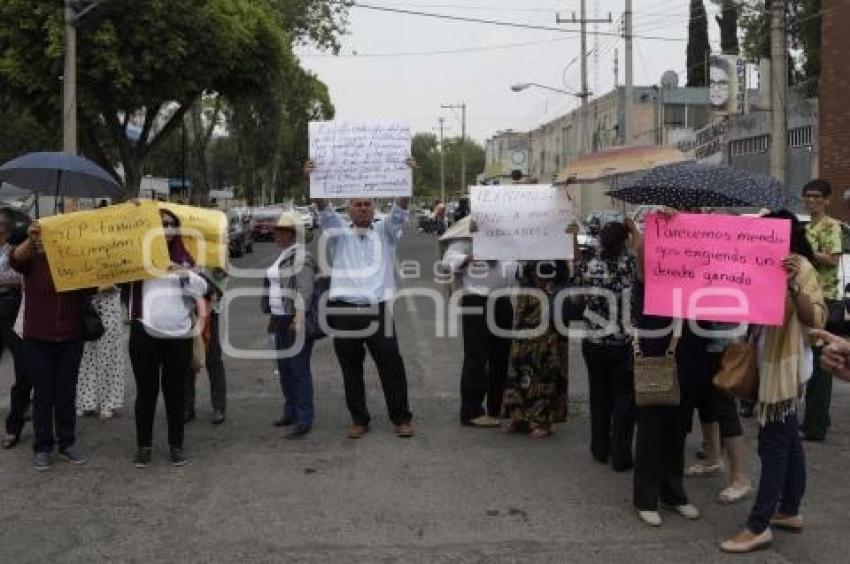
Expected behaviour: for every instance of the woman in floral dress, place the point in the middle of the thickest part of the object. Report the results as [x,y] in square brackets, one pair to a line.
[532,389]
[100,387]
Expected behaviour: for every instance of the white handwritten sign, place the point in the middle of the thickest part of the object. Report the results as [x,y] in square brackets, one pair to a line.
[365,159]
[522,222]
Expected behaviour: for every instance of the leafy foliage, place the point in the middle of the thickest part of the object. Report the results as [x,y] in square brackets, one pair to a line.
[426,178]
[146,63]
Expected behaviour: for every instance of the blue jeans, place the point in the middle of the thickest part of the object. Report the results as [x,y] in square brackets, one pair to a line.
[53,367]
[296,379]
[783,473]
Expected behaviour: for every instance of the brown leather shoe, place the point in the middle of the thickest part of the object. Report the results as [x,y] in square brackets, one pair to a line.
[357,431]
[405,431]
[792,523]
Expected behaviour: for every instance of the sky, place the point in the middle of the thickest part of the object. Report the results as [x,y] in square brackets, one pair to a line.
[403,67]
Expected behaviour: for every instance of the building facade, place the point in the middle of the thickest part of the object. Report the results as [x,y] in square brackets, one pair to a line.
[834,97]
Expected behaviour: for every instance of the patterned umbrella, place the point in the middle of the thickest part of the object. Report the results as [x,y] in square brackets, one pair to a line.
[694,185]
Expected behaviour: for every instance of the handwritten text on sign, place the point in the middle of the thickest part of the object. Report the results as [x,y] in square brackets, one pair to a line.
[716,267]
[204,233]
[107,246]
[521,222]
[359,159]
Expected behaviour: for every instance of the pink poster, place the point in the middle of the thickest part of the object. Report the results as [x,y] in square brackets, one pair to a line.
[716,267]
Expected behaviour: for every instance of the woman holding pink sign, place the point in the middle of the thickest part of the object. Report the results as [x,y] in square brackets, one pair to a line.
[785,362]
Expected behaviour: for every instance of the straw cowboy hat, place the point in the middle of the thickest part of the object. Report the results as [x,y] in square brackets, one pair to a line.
[288,220]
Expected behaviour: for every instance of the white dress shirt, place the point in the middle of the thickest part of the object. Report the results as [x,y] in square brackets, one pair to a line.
[363,265]
[479,277]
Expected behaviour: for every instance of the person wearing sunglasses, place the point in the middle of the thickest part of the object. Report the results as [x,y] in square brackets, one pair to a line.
[161,310]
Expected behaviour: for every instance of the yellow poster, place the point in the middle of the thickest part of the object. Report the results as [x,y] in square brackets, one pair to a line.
[106,246]
[201,227]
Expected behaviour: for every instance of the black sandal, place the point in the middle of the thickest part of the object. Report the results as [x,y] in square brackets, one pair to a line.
[10,441]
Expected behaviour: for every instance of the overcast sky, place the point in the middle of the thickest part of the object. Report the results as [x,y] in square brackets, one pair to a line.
[388,69]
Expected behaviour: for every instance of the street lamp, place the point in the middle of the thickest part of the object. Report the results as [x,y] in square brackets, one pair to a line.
[526,85]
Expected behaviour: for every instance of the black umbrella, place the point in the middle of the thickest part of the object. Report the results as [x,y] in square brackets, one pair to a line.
[695,185]
[60,174]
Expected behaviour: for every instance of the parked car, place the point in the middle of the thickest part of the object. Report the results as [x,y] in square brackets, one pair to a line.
[264,224]
[240,233]
[306,217]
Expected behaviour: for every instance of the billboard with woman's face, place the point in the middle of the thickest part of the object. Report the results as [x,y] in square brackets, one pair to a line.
[727,84]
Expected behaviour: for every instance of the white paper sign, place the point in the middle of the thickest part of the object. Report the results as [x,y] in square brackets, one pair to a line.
[522,222]
[360,159]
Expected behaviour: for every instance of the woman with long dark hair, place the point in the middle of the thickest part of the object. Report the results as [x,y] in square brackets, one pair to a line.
[785,363]
[161,343]
[607,349]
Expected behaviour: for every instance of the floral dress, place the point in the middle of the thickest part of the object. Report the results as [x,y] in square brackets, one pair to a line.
[534,375]
[101,382]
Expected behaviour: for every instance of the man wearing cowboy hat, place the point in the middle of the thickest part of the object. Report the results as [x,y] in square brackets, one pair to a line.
[289,282]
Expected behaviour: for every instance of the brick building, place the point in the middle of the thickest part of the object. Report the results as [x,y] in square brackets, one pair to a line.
[834,110]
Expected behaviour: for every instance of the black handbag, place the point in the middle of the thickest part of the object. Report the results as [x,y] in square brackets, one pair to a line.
[93,328]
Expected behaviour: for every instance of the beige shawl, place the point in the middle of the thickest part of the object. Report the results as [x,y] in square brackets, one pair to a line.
[782,359]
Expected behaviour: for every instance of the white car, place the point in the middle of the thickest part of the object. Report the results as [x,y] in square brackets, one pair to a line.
[306,217]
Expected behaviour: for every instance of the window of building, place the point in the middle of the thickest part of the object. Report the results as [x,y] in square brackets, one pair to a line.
[800,137]
[750,145]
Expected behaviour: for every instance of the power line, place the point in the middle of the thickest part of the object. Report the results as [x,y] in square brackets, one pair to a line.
[494,22]
[478,49]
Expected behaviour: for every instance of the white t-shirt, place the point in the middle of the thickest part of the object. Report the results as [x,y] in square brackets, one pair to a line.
[164,309]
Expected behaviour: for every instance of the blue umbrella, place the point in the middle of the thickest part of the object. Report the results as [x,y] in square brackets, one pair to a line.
[60,174]
[695,185]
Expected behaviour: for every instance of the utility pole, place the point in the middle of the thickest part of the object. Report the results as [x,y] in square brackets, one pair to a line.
[462,108]
[778,86]
[629,36]
[69,82]
[616,68]
[442,163]
[585,93]
[75,11]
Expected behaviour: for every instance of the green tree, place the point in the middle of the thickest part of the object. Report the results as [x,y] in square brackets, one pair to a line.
[755,23]
[698,46]
[21,132]
[425,148]
[728,22]
[454,150]
[147,62]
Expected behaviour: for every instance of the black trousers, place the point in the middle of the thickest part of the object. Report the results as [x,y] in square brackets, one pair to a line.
[351,352]
[215,372]
[21,392]
[159,362]
[610,374]
[485,357]
[659,457]
[697,368]
[54,368]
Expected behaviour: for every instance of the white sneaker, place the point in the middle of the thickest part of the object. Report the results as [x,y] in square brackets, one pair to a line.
[80,413]
[651,518]
[106,414]
[687,511]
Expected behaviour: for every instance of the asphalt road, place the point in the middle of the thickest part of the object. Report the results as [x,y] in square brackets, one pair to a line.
[450,494]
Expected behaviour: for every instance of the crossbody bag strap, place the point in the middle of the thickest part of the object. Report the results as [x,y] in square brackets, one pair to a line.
[674,340]
[636,343]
